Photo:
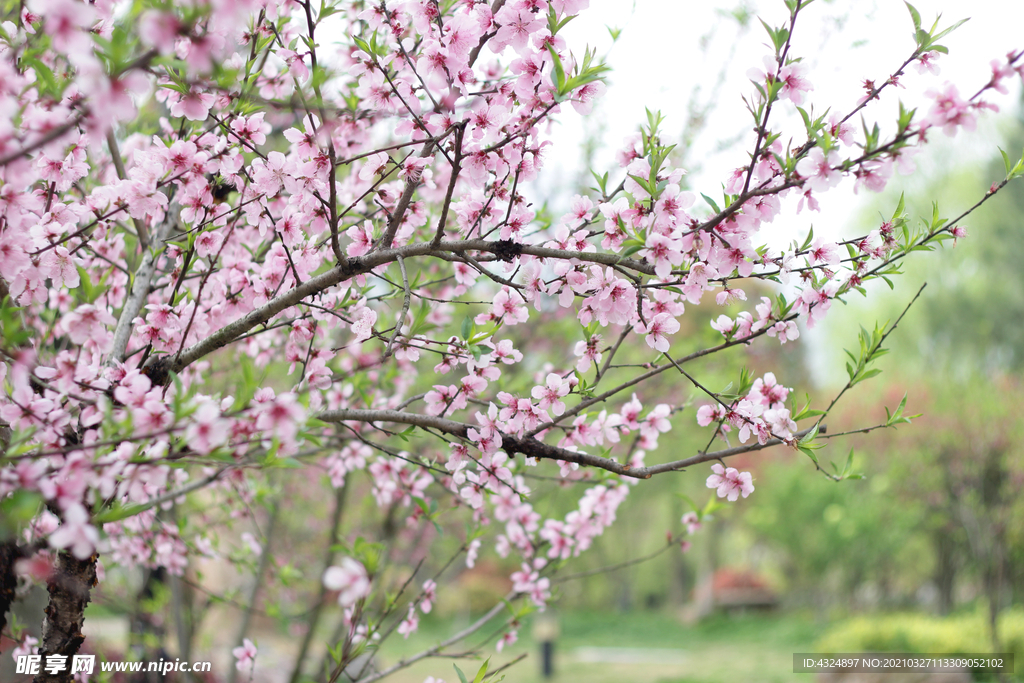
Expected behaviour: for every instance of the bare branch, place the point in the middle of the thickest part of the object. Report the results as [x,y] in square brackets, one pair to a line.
[406,301]
[430,652]
[141,283]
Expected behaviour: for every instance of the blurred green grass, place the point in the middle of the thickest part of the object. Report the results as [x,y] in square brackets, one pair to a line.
[754,648]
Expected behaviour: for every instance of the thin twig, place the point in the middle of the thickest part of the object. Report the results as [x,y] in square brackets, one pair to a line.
[406,301]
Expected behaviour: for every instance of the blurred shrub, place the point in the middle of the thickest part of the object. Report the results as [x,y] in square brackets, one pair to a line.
[920,633]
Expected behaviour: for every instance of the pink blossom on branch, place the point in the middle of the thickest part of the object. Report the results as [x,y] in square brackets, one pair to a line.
[245,656]
[349,579]
[326,243]
[729,482]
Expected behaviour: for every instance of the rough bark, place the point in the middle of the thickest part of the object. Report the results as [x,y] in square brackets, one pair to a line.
[9,554]
[69,590]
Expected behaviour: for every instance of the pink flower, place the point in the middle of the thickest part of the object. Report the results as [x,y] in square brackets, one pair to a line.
[87,322]
[511,308]
[950,111]
[27,647]
[471,553]
[159,29]
[588,353]
[926,62]
[281,416]
[429,596]
[246,655]
[874,174]
[410,623]
[784,330]
[768,392]
[517,25]
[361,236]
[350,580]
[194,105]
[723,324]
[658,331]
[584,98]
[510,637]
[374,166]
[75,533]
[551,393]
[692,522]
[252,129]
[794,84]
[824,252]
[207,429]
[663,252]
[363,321]
[779,422]
[819,169]
[730,482]
[14,248]
[60,266]
[64,21]
[841,130]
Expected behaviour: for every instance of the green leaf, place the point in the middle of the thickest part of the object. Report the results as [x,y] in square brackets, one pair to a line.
[899,208]
[849,464]
[362,45]
[711,202]
[946,32]
[1006,161]
[482,672]
[915,16]
[807,242]
[810,454]
[559,74]
[462,676]
[119,512]
[18,509]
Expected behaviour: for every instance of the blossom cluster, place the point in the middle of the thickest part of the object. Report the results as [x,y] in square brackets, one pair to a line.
[227,247]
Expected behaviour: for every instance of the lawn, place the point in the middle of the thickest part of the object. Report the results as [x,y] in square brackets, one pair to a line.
[636,648]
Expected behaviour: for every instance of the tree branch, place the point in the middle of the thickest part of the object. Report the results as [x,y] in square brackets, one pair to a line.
[534,448]
[464,633]
[141,283]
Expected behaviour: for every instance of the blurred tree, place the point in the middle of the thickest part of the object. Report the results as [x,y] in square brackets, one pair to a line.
[860,544]
[967,321]
[964,465]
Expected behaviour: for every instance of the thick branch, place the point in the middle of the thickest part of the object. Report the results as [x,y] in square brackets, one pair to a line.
[534,448]
[115,155]
[141,283]
[9,554]
[158,367]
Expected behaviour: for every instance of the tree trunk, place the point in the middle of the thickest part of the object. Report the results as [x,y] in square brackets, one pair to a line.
[9,554]
[147,628]
[69,589]
[945,569]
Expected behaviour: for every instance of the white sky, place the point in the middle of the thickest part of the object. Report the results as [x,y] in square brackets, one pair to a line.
[658,62]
